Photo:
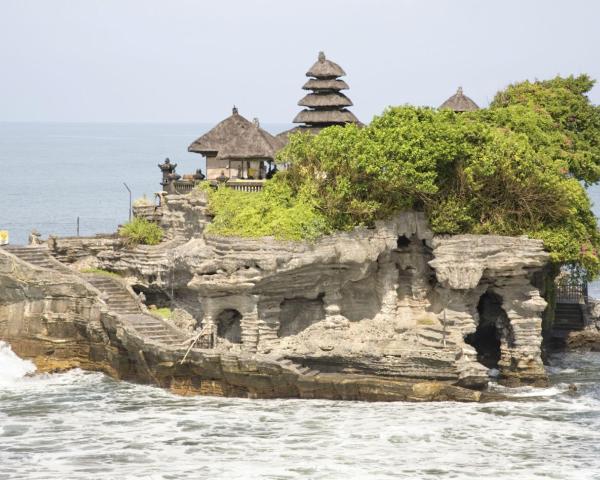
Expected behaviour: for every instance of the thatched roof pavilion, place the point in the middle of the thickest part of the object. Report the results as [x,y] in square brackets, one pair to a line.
[236,146]
[237,138]
[459,102]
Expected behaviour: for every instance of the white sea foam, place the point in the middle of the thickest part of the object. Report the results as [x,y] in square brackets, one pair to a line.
[80,425]
[12,368]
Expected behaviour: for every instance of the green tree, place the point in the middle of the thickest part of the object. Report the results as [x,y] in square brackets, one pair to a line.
[568,111]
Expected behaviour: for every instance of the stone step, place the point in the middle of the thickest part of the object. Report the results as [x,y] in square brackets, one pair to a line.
[145,320]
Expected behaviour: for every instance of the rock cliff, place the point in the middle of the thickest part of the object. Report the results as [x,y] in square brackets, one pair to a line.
[370,314]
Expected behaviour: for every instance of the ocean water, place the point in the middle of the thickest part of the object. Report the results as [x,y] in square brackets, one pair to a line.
[81,425]
[52,173]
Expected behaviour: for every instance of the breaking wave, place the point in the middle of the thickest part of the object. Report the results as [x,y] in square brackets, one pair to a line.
[81,425]
[12,368]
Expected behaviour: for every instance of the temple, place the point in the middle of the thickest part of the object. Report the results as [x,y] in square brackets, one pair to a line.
[237,148]
[459,102]
[241,155]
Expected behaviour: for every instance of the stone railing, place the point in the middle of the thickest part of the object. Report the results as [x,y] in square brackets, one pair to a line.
[184,187]
[246,185]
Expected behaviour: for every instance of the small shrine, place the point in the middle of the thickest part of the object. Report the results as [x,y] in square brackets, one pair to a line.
[459,102]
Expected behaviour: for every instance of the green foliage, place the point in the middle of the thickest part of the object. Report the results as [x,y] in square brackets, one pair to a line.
[99,271]
[271,212]
[162,312]
[561,105]
[516,168]
[141,231]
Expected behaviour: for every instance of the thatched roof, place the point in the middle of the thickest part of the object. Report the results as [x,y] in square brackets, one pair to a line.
[324,68]
[325,117]
[318,84]
[459,102]
[237,138]
[326,105]
[320,100]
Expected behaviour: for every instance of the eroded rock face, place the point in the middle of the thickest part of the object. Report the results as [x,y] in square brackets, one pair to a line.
[60,322]
[361,315]
[391,301]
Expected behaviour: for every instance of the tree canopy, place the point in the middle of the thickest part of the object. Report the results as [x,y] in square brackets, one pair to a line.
[517,167]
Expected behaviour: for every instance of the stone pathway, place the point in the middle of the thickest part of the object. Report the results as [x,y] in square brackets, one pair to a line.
[117,297]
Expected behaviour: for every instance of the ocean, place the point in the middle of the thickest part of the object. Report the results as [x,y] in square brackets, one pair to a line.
[53,173]
[82,425]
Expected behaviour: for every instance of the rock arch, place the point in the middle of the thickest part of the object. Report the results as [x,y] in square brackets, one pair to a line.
[492,331]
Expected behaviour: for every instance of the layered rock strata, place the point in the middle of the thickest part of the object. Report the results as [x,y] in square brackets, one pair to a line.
[370,314]
[60,321]
[392,301]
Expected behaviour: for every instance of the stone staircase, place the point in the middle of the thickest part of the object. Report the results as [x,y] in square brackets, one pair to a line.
[117,297]
[121,301]
[38,256]
[568,317]
[152,328]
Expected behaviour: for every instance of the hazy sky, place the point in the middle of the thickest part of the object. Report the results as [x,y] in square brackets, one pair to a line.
[190,61]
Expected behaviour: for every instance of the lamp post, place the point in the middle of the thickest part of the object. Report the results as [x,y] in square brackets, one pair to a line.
[129,190]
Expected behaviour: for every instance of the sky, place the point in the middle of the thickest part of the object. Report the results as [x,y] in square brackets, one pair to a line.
[190,61]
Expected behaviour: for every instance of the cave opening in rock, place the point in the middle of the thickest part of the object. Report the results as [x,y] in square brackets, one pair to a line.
[487,337]
[153,296]
[403,241]
[229,326]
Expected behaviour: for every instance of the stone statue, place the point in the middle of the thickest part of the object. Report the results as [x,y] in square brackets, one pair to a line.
[168,172]
[199,175]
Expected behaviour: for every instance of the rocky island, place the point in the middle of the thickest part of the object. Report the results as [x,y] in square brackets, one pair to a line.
[372,265]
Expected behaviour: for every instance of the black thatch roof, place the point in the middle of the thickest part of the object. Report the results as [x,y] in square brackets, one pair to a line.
[459,102]
[323,100]
[237,138]
[324,68]
[317,84]
[325,117]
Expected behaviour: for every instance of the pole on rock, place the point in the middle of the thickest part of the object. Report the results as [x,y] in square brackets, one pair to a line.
[129,190]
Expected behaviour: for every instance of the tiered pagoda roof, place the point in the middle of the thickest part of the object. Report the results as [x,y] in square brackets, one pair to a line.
[237,138]
[459,102]
[326,105]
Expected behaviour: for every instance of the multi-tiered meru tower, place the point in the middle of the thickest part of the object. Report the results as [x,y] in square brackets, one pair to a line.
[326,105]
